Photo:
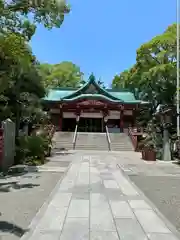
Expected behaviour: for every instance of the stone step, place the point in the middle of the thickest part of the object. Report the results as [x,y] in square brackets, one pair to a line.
[120,145]
[93,147]
[59,145]
[89,148]
[91,144]
[120,142]
[93,141]
[121,149]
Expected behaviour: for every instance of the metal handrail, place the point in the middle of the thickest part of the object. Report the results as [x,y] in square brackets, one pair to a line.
[75,136]
[108,138]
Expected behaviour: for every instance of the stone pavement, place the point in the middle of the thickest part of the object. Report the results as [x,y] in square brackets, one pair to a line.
[96,201]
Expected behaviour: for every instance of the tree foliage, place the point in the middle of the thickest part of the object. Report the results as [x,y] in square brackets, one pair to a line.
[64,74]
[154,73]
[22,16]
[21,84]
[153,77]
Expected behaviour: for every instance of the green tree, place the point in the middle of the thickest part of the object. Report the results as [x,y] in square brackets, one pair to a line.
[156,63]
[64,74]
[122,80]
[154,73]
[20,81]
[22,16]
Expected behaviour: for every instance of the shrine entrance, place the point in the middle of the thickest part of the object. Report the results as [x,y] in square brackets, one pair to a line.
[91,125]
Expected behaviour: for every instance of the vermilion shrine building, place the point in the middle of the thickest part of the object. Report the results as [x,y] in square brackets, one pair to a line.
[91,106]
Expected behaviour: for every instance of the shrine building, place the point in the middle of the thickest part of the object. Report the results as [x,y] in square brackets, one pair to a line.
[91,107]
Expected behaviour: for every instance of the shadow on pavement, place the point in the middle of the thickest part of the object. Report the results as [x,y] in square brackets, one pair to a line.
[11,228]
[8,186]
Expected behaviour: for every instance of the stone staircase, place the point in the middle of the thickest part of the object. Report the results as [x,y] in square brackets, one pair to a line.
[63,141]
[91,141]
[120,142]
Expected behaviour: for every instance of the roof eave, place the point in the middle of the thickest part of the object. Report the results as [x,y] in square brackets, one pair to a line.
[98,98]
[144,102]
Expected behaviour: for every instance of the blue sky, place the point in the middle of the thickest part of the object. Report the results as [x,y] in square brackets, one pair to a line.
[101,36]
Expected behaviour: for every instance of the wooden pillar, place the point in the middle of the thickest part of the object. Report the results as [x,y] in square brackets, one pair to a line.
[102,124]
[60,118]
[133,118]
[121,125]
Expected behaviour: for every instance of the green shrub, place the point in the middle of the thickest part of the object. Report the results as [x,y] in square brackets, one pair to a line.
[33,148]
[21,149]
[36,146]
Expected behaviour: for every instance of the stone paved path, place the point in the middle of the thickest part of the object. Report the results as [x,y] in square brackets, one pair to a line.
[95,201]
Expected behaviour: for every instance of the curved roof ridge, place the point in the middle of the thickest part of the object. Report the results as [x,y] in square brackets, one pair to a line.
[84,87]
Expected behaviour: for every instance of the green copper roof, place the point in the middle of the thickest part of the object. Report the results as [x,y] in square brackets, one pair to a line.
[125,96]
[57,94]
[91,90]
[91,96]
[91,87]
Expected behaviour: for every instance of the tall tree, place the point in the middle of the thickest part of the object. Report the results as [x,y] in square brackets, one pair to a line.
[64,74]
[154,73]
[20,82]
[156,61]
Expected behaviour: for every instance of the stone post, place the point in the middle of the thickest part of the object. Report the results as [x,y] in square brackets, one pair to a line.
[166,123]
[166,145]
